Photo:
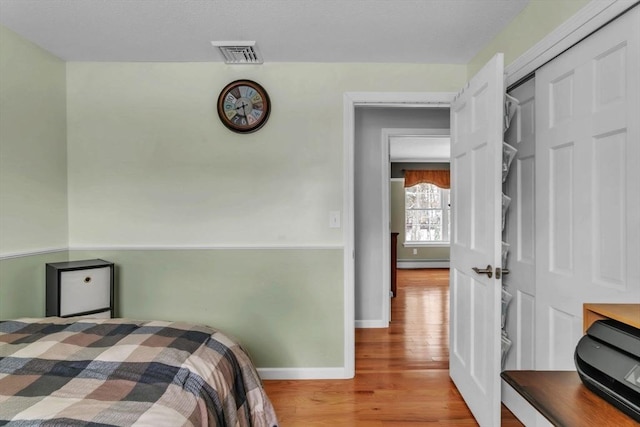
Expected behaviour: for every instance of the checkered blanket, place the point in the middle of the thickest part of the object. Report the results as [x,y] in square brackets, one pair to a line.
[118,372]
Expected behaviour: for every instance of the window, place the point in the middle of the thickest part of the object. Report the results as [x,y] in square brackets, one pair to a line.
[426,215]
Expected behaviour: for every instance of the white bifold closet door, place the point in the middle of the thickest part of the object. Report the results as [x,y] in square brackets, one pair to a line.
[520,231]
[587,185]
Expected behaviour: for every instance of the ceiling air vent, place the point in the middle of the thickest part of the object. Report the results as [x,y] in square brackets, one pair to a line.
[239,52]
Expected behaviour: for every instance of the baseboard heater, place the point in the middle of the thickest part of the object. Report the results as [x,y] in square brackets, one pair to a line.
[608,362]
[422,263]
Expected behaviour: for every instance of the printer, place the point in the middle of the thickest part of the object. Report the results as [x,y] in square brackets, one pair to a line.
[607,359]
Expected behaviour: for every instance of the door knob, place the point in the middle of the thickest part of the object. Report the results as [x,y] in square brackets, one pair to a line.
[488,271]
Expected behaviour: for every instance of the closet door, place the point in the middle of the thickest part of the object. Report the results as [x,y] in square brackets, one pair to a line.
[520,231]
[588,185]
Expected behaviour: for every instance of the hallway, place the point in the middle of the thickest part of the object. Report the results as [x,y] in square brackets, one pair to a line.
[402,376]
[418,337]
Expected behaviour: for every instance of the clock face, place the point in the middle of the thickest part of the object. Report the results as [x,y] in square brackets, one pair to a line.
[243,106]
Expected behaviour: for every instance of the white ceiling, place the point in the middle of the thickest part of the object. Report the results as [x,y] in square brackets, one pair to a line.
[407,31]
[419,148]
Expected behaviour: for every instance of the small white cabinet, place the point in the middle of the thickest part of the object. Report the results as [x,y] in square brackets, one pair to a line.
[80,288]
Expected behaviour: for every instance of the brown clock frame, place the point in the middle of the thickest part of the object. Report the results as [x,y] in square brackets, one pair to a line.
[236,125]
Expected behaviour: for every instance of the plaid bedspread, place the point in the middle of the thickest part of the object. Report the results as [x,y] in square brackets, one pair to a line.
[118,372]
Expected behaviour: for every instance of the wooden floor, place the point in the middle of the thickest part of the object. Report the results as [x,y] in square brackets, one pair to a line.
[402,376]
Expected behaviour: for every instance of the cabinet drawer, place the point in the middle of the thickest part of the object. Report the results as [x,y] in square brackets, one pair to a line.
[107,314]
[84,290]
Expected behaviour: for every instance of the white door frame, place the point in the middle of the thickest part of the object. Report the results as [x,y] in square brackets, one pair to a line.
[350,101]
[588,19]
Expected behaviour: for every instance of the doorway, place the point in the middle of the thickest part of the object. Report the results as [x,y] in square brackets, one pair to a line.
[375,127]
[425,243]
[371,100]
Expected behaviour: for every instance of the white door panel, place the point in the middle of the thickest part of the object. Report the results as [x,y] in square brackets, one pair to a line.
[519,231]
[524,338]
[476,152]
[588,184]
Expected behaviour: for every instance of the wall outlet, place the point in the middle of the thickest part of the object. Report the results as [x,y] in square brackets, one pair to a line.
[415,251]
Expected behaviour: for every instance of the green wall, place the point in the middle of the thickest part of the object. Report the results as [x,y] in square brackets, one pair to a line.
[151,164]
[284,305]
[33,172]
[33,148]
[538,19]
[22,286]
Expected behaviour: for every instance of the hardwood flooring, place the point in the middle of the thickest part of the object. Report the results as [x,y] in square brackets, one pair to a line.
[402,372]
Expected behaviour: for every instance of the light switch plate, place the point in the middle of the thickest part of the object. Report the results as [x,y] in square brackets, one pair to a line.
[334,219]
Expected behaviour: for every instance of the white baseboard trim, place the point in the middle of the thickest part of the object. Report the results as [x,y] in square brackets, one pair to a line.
[371,324]
[423,263]
[303,373]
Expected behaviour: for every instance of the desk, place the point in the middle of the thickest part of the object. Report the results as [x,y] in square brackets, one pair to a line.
[562,398]
[625,313]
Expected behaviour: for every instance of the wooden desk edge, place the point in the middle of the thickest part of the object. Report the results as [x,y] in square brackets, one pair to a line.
[575,402]
[522,392]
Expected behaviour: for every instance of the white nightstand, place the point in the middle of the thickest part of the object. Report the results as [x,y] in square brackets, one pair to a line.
[80,288]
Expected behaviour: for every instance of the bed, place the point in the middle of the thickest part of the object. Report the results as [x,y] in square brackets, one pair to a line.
[119,372]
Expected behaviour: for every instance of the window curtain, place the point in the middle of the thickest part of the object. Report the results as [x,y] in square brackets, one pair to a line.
[440,178]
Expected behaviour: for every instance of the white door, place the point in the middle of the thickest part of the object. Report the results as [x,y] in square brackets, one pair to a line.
[519,231]
[475,299]
[588,185]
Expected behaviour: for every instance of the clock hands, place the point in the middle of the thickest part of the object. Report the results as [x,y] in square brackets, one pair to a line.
[244,108]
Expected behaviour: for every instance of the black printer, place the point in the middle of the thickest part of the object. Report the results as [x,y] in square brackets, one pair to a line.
[608,361]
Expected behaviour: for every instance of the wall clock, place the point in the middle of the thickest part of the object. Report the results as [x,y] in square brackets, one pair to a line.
[244,106]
